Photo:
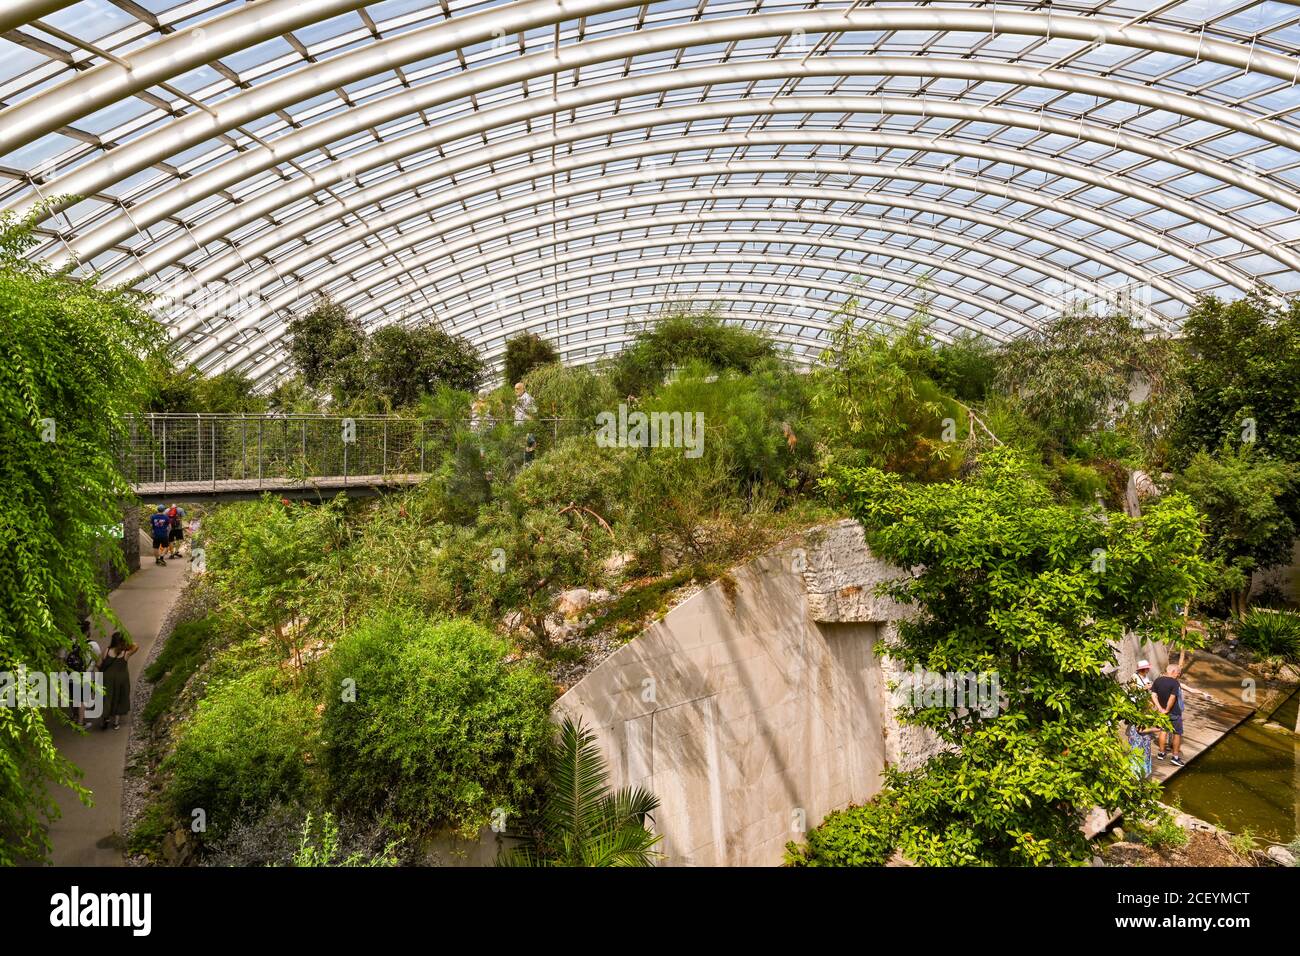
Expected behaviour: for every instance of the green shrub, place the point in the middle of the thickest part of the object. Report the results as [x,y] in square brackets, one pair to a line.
[574,393]
[185,650]
[515,562]
[1162,832]
[685,337]
[854,836]
[1271,633]
[878,407]
[576,471]
[441,729]
[1243,843]
[320,845]
[524,353]
[247,746]
[70,369]
[965,367]
[1081,482]
[747,418]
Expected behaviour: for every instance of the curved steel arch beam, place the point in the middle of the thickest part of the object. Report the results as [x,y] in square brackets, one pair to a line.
[248,26]
[120,226]
[655,301]
[453,316]
[1029,197]
[18,12]
[496,275]
[467,288]
[745,213]
[255,246]
[259,342]
[461,31]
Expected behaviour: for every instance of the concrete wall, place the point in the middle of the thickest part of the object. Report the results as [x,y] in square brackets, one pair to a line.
[754,708]
[759,705]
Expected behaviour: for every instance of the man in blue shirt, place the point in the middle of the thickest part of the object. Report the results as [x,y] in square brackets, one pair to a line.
[162,532]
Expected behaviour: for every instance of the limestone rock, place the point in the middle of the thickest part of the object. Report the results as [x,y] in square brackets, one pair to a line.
[1281,855]
[573,602]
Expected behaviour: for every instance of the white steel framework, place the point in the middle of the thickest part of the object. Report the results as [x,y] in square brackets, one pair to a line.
[570,167]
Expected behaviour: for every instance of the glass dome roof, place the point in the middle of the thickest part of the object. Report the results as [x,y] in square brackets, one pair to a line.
[568,168]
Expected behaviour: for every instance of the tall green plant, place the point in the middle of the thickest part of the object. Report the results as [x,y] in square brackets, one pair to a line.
[877,405]
[583,823]
[1080,370]
[1011,584]
[71,366]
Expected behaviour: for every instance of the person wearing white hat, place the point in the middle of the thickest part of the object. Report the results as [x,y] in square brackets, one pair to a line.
[1143,676]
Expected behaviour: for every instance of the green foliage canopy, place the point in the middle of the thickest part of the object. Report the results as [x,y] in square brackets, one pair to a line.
[526,352]
[71,366]
[442,729]
[1009,582]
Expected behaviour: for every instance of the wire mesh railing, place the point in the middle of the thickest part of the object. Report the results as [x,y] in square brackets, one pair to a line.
[193,452]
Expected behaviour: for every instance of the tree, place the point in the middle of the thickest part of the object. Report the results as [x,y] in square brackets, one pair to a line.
[515,561]
[71,368]
[526,352]
[322,339]
[685,336]
[1243,363]
[1077,372]
[581,822]
[1008,583]
[399,364]
[877,405]
[1249,500]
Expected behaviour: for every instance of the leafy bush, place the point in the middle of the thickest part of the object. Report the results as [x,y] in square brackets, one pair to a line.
[1009,584]
[854,836]
[753,420]
[1243,843]
[524,353]
[1075,373]
[1160,832]
[441,729]
[1249,501]
[1243,362]
[320,845]
[1271,633]
[516,561]
[246,747]
[681,338]
[879,408]
[271,560]
[966,367]
[186,649]
[70,369]
[575,393]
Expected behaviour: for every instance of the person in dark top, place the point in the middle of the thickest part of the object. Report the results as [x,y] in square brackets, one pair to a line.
[117,678]
[162,533]
[1167,695]
[530,448]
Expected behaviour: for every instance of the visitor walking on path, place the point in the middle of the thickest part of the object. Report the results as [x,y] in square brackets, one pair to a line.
[117,679]
[176,536]
[1167,695]
[161,525]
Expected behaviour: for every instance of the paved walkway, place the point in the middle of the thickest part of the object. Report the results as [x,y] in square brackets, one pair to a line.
[1212,706]
[87,836]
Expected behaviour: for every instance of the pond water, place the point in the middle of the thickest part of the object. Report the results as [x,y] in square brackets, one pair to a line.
[1251,778]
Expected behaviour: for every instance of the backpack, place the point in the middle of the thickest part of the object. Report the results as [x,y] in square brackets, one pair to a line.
[74,659]
[173,517]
